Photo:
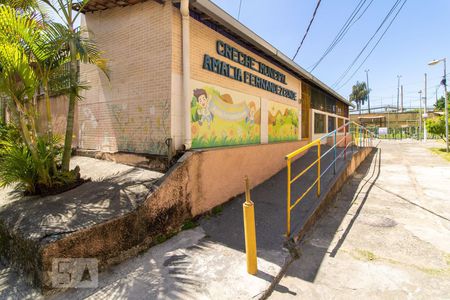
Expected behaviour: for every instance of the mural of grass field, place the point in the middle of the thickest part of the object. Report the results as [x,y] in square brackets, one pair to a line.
[222,117]
[283,122]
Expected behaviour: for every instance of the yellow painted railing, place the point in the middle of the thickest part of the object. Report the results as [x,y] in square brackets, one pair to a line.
[360,137]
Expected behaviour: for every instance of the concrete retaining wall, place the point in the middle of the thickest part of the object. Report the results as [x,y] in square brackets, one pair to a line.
[217,175]
[198,182]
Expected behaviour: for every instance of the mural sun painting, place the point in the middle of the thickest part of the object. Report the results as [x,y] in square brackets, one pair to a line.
[222,117]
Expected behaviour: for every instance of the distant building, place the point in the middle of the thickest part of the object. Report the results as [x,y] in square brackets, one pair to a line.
[408,119]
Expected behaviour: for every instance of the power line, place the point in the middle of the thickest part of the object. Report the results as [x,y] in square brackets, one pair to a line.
[239,12]
[379,40]
[343,31]
[367,44]
[307,29]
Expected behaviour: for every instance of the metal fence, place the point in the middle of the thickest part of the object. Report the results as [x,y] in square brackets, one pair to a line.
[349,134]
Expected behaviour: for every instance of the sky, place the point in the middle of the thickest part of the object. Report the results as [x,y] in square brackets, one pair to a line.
[418,35]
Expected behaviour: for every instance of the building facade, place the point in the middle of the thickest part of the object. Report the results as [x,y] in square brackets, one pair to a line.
[231,88]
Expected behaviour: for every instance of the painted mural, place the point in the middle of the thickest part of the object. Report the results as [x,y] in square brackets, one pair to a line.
[283,122]
[222,117]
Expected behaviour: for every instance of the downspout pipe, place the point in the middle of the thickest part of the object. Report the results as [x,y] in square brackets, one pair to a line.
[184,10]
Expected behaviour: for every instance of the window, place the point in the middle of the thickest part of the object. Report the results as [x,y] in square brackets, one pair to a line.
[331,123]
[318,100]
[330,105]
[319,123]
[340,123]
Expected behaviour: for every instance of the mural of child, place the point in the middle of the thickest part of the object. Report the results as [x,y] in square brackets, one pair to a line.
[251,114]
[205,115]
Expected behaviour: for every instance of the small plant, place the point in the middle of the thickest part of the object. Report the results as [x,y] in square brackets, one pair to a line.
[217,210]
[365,254]
[17,165]
[161,239]
[189,224]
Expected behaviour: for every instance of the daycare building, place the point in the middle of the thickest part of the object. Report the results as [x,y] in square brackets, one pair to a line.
[186,75]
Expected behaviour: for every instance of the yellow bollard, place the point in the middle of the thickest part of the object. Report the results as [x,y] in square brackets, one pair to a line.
[250,231]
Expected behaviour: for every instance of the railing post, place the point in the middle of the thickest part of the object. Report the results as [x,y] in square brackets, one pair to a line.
[288,204]
[360,136]
[352,133]
[250,231]
[335,150]
[318,169]
[345,142]
[357,136]
[363,136]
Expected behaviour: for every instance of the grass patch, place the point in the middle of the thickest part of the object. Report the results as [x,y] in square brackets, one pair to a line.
[161,238]
[442,152]
[217,210]
[447,258]
[365,254]
[362,254]
[189,224]
[434,272]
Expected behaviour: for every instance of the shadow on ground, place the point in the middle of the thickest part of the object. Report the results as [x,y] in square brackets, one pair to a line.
[270,207]
[314,252]
[50,217]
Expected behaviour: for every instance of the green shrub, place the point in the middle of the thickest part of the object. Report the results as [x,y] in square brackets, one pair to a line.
[18,167]
[9,132]
[436,126]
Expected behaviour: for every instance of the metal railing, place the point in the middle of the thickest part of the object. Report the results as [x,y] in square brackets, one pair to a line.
[360,137]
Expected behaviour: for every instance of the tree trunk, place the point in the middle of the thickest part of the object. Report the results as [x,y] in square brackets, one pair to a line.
[2,110]
[71,112]
[25,133]
[49,126]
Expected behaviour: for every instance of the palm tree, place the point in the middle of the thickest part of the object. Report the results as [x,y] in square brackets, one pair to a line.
[80,49]
[34,53]
[359,94]
[18,78]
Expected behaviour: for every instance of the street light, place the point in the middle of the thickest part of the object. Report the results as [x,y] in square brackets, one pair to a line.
[432,63]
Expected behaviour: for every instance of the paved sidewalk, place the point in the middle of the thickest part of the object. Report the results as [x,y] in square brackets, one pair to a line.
[387,237]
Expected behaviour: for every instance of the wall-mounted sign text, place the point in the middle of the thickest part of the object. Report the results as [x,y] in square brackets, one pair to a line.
[222,68]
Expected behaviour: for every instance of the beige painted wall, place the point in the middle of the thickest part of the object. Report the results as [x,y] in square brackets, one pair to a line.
[132,111]
[59,108]
[203,41]
[217,175]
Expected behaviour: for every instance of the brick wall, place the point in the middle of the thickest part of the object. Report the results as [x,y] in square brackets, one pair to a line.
[131,111]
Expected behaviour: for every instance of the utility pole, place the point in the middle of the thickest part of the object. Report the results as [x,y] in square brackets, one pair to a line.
[420,115]
[425,112]
[436,94]
[398,90]
[401,98]
[444,81]
[446,103]
[368,89]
